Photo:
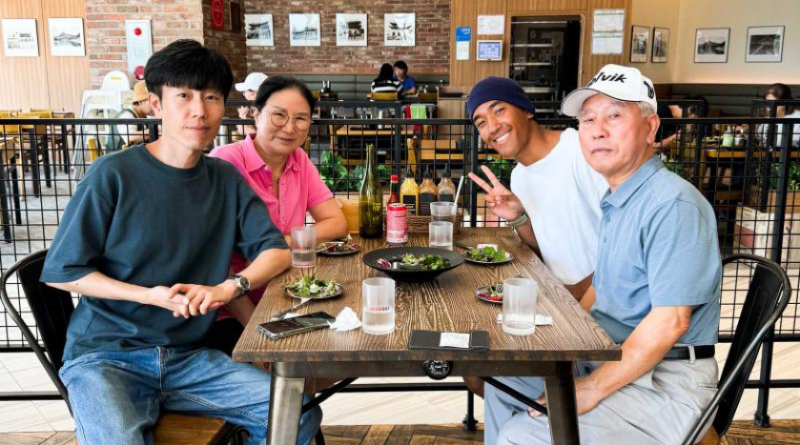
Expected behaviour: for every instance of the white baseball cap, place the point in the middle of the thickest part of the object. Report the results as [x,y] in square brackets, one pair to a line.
[251,82]
[615,81]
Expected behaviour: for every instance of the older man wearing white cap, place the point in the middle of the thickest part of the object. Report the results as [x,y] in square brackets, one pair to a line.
[249,88]
[657,282]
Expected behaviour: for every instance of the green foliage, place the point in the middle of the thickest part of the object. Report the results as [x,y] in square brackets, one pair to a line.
[676,167]
[333,171]
[500,168]
[487,254]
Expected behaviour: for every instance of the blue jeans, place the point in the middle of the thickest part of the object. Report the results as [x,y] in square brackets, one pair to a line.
[117,396]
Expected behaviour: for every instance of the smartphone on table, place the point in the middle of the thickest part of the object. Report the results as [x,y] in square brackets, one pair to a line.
[296,325]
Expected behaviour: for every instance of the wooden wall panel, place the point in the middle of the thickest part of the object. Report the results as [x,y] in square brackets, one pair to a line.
[591,64]
[23,80]
[489,69]
[539,6]
[462,72]
[67,77]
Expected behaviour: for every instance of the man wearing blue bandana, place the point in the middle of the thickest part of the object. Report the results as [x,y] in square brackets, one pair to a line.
[656,287]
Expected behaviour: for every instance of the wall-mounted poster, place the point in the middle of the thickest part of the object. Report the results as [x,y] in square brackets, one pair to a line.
[764,44]
[304,30]
[66,37]
[259,30]
[399,29]
[711,45]
[639,38]
[19,38]
[351,30]
[660,45]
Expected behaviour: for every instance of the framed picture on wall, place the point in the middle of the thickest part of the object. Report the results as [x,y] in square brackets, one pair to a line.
[259,30]
[20,38]
[66,37]
[304,30]
[711,45]
[764,44]
[399,29]
[639,39]
[351,30]
[660,45]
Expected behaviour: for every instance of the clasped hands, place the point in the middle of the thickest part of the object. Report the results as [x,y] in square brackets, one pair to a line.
[190,300]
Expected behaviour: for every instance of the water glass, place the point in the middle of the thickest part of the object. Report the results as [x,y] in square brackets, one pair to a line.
[304,246]
[377,305]
[519,306]
[440,234]
[443,211]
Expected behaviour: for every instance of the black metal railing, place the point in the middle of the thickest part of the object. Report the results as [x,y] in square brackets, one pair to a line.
[752,183]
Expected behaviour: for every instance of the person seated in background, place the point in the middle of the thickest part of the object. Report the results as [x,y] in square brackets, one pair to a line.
[668,133]
[385,82]
[656,288]
[550,172]
[129,135]
[274,164]
[248,89]
[146,241]
[779,91]
[408,87]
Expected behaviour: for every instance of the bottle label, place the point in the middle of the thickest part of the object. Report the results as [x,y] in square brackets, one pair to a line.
[425,200]
[446,197]
[411,204]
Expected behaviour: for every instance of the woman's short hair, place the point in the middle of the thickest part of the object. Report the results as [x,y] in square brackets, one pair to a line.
[275,84]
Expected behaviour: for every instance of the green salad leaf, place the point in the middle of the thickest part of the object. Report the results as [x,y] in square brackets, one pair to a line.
[487,254]
[425,262]
[312,287]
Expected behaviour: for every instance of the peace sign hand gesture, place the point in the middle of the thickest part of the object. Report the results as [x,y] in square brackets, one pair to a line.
[499,199]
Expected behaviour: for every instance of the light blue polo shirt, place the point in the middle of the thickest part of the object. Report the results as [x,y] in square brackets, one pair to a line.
[658,247]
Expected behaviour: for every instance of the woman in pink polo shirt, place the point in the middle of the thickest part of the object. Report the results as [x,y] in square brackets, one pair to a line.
[273,162]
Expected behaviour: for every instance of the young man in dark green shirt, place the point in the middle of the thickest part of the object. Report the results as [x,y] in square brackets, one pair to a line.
[146,240]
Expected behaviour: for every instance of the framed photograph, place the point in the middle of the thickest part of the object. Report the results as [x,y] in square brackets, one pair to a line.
[660,45]
[20,38]
[764,44]
[711,45]
[304,30]
[399,29]
[351,30]
[639,40]
[259,30]
[66,37]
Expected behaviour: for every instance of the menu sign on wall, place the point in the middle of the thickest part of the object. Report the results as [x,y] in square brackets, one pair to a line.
[608,29]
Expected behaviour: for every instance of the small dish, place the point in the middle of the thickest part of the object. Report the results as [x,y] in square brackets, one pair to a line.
[338,248]
[490,294]
[508,259]
[339,291]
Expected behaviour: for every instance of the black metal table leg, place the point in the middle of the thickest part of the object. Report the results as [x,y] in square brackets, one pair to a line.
[16,193]
[561,406]
[34,163]
[4,207]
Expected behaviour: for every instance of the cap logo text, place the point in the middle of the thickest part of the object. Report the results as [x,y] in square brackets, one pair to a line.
[602,76]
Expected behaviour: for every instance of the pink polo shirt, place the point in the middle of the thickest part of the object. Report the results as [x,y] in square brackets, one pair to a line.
[301,188]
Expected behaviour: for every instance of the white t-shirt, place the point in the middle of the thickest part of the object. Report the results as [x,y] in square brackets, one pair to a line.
[561,195]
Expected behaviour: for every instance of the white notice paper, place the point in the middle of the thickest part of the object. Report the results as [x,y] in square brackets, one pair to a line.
[607,42]
[454,340]
[462,50]
[609,20]
[491,24]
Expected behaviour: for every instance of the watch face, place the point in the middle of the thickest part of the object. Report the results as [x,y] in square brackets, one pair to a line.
[243,283]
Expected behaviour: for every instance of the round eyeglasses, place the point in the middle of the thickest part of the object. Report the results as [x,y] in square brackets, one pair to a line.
[279,119]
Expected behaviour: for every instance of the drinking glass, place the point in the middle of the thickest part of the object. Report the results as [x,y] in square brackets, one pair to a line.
[440,234]
[377,305]
[519,306]
[304,247]
[443,211]
[350,210]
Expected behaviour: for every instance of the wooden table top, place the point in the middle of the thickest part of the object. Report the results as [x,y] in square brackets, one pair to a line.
[446,304]
[352,130]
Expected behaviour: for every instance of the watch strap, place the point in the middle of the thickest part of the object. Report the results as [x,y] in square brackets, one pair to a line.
[519,221]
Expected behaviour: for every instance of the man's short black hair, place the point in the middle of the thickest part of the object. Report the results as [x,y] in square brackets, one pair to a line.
[279,83]
[402,65]
[187,63]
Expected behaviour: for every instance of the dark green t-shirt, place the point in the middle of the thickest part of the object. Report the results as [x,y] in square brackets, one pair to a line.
[140,221]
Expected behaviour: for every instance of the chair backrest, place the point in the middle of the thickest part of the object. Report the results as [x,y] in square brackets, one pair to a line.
[384,96]
[768,295]
[51,309]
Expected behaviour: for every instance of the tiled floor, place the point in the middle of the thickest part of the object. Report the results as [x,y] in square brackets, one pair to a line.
[22,372]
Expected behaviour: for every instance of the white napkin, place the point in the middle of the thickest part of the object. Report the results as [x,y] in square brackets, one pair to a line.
[541,320]
[347,320]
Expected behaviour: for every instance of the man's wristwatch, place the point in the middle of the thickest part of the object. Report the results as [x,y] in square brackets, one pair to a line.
[518,222]
[242,283]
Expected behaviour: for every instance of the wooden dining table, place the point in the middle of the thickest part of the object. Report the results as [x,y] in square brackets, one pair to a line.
[446,304]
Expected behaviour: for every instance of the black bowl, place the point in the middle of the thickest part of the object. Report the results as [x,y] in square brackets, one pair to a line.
[411,276]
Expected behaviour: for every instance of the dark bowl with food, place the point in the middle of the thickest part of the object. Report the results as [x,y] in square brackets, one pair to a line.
[428,262]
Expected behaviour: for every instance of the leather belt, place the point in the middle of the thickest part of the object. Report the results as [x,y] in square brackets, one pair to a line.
[689,352]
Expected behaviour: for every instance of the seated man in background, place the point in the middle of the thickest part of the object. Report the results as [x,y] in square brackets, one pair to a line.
[657,284]
[408,87]
[122,135]
[146,240]
[550,172]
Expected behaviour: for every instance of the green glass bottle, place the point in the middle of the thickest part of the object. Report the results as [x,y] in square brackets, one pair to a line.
[370,200]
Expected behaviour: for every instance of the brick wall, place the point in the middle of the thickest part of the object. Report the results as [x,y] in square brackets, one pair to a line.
[105,29]
[431,55]
[229,44]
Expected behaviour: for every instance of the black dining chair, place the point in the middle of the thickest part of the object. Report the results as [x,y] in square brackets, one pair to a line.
[51,309]
[768,294]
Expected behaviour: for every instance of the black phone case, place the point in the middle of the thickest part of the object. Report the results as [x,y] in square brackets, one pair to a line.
[478,341]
